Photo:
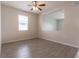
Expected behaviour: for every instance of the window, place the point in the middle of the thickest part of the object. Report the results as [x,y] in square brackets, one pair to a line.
[59,24]
[23,22]
[53,21]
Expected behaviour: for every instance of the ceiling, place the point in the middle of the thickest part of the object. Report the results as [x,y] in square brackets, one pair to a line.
[23,5]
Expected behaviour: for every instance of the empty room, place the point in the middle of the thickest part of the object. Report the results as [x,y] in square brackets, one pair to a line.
[39,29]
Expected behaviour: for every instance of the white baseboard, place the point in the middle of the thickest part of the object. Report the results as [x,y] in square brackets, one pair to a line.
[9,41]
[61,42]
[15,40]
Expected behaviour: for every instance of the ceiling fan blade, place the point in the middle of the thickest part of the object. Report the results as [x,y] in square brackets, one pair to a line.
[31,9]
[42,4]
[40,9]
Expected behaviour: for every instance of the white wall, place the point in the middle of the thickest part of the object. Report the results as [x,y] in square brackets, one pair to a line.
[0,28]
[9,22]
[70,33]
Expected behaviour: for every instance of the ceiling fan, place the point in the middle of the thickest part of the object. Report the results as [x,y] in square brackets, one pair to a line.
[36,6]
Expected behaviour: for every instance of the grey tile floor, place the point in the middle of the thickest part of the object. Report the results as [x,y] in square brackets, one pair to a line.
[37,48]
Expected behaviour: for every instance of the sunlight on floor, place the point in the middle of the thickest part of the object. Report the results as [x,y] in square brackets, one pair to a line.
[24,52]
[77,55]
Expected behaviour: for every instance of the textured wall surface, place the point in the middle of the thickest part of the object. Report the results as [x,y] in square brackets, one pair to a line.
[70,33]
[10,30]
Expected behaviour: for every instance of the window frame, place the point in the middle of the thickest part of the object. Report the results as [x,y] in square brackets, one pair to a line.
[19,22]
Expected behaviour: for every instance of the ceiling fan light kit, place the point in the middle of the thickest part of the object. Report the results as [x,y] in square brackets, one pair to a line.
[36,6]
